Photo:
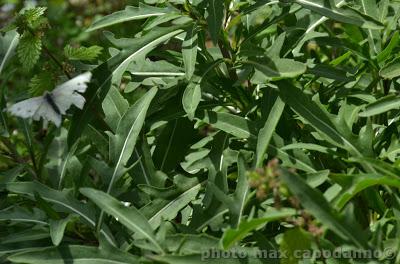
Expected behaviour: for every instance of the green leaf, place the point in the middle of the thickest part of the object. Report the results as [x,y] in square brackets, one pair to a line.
[278,68]
[122,143]
[229,123]
[345,14]
[294,241]
[236,201]
[357,183]
[33,14]
[63,199]
[130,13]
[191,98]
[57,228]
[173,207]
[232,236]
[21,215]
[160,68]
[73,254]
[111,71]
[384,54]
[82,53]
[173,143]
[114,107]
[41,82]
[382,105]
[128,216]
[189,51]
[28,50]
[314,115]
[391,70]
[10,175]
[314,202]
[8,44]
[265,134]
[215,18]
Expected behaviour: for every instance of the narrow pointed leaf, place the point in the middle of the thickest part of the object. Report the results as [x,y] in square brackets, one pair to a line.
[128,216]
[130,13]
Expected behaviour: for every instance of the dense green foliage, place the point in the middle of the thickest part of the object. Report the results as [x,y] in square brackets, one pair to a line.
[208,126]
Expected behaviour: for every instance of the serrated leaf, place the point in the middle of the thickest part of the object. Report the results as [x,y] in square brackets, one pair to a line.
[44,81]
[82,53]
[33,14]
[28,50]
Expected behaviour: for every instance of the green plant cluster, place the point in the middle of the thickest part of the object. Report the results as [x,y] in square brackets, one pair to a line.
[213,131]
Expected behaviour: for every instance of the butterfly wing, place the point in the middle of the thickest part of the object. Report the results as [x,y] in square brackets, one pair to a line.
[47,112]
[67,94]
[26,108]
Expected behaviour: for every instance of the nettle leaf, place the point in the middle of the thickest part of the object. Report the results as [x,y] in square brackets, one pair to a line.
[29,49]
[130,13]
[82,53]
[44,81]
[33,14]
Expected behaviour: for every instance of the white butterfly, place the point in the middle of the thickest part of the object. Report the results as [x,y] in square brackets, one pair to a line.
[52,105]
